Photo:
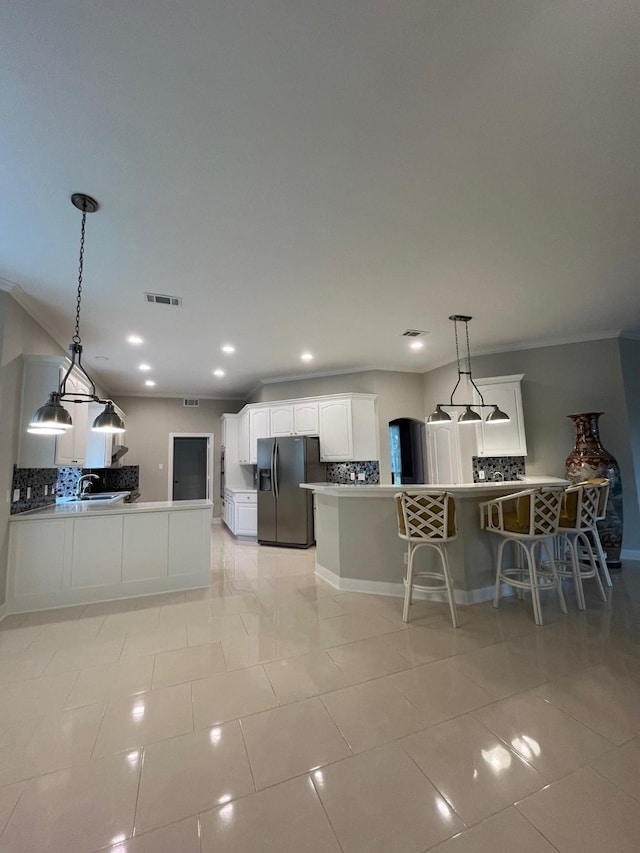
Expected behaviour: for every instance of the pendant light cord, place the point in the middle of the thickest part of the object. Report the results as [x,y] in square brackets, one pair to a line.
[76,338]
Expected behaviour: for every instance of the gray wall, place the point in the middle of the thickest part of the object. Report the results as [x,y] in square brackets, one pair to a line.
[149,420]
[560,380]
[630,360]
[400,395]
[19,334]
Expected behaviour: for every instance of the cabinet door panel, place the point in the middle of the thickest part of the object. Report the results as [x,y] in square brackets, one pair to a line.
[97,552]
[305,419]
[281,420]
[246,519]
[336,436]
[38,550]
[259,427]
[145,546]
[506,439]
[187,544]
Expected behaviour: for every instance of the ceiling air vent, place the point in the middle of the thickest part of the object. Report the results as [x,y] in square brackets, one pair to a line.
[191,403]
[413,333]
[163,299]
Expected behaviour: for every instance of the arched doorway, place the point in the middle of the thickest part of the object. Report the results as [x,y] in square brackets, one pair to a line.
[407,448]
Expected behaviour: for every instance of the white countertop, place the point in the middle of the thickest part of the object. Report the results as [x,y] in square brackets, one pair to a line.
[459,489]
[93,508]
[240,491]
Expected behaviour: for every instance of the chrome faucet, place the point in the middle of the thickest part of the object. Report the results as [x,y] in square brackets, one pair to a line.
[84,483]
[498,476]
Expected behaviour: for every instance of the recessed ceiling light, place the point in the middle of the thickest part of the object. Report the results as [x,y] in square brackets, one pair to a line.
[144,367]
[135,340]
[306,356]
[149,383]
[416,344]
[228,348]
[218,372]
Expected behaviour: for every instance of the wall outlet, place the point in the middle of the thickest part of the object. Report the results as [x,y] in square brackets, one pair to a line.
[46,490]
[481,475]
[352,476]
[16,495]
[28,492]
[362,476]
[406,558]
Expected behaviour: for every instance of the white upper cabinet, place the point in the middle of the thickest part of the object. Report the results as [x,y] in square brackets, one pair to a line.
[507,439]
[259,427]
[305,418]
[348,428]
[347,425]
[282,420]
[294,419]
[100,445]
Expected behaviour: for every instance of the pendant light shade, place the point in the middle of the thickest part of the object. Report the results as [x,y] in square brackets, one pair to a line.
[469,416]
[497,416]
[108,421]
[50,419]
[438,416]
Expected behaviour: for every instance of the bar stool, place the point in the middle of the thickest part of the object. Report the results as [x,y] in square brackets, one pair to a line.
[580,508]
[528,519]
[603,498]
[427,519]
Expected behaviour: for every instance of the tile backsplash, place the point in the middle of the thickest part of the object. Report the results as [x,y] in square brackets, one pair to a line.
[511,467]
[111,479]
[62,482]
[339,472]
[33,482]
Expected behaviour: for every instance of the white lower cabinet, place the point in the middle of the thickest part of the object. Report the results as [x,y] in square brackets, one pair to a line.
[241,512]
[116,554]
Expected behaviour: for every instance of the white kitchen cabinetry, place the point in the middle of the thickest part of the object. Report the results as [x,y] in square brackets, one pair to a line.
[348,428]
[108,554]
[294,419]
[41,376]
[254,424]
[507,439]
[241,512]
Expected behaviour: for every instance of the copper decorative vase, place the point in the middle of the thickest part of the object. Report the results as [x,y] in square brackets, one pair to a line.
[589,459]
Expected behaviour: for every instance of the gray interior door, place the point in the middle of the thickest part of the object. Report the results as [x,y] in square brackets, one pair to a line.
[190,468]
[292,517]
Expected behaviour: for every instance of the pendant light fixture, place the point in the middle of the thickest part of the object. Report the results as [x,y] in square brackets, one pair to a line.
[469,415]
[53,418]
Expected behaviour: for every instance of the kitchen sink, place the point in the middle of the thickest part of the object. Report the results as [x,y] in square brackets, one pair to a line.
[105,497]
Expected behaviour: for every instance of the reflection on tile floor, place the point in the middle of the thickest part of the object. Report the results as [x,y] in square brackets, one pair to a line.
[272,712]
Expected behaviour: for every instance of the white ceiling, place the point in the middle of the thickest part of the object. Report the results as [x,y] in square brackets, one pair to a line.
[319,175]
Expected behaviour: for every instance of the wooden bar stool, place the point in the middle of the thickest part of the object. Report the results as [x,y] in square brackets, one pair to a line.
[427,519]
[580,508]
[529,519]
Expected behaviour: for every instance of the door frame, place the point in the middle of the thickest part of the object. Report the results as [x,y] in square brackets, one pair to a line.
[210,442]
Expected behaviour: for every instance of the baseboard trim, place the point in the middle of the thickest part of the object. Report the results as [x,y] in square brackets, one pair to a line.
[630,554]
[216,520]
[462,596]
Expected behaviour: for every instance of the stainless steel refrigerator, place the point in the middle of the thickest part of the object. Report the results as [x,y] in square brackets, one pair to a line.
[285,511]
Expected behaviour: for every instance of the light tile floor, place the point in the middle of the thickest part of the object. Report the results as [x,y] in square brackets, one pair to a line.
[270,712]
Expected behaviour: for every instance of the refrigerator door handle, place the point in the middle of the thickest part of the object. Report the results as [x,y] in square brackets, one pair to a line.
[275,468]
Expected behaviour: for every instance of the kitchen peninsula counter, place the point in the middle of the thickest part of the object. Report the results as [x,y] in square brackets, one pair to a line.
[81,552]
[358,547]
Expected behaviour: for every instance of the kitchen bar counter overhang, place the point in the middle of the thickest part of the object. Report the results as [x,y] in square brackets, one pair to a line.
[80,553]
[358,548]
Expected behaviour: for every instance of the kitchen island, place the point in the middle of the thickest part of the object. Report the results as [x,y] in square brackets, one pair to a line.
[81,552]
[358,547]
